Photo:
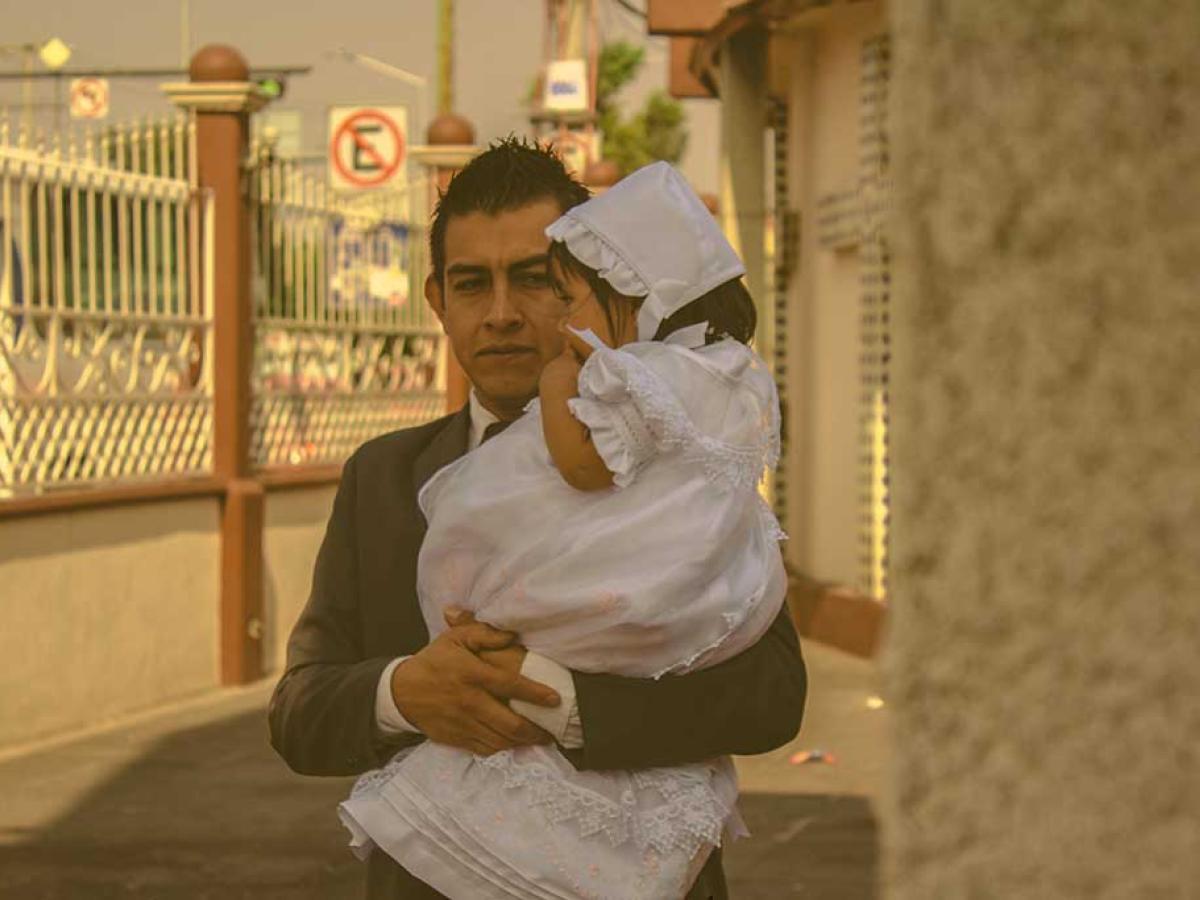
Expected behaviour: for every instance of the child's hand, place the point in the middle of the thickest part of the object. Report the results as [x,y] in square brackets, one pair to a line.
[576,344]
[561,374]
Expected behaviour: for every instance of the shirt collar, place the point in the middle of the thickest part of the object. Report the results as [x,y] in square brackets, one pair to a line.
[481,418]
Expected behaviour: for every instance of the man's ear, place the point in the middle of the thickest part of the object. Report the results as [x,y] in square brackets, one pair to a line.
[435,298]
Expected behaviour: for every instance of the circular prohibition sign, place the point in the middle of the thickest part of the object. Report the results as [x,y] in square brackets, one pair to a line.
[88,96]
[381,169]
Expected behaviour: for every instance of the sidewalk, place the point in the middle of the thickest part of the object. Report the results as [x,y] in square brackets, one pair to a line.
[192,803]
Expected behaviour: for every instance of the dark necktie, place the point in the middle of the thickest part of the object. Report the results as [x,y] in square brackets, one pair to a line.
[492,430]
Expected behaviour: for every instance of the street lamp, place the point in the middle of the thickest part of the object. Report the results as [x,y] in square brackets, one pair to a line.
[383,68]
[53,53]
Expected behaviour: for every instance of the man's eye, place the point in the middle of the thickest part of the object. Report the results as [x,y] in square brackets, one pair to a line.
[468,285]
[535,280]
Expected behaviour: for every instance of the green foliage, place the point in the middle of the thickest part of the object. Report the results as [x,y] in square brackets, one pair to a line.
[655,132]
[619,65]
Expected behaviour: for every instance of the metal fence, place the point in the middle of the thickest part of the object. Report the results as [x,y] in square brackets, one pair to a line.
[345,346]
[105,362]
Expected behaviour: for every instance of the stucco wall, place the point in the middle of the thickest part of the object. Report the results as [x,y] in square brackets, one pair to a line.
[294,525]
[1043,658]
[824,387]
[105,612]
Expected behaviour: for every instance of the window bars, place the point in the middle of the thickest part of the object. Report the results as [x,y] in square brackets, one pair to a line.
[875,274]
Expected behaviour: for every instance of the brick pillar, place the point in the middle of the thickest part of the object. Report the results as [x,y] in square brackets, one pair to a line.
[221,97]
[450,144]
[1043,649]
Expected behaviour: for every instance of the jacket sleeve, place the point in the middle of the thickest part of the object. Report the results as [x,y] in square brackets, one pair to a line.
[322,713]
[749,704]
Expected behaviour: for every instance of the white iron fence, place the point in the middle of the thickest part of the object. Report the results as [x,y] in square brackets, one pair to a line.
[345,346]
[105,362]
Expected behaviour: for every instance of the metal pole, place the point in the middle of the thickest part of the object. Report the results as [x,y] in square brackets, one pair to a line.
[446,56]
[27,90]
[185,36]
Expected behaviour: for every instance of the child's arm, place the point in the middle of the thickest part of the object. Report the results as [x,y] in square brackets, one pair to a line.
[567,438]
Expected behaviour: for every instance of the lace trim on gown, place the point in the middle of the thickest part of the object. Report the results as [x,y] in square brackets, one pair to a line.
[690,817]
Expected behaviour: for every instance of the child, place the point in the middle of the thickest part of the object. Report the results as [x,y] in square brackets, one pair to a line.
[616,527]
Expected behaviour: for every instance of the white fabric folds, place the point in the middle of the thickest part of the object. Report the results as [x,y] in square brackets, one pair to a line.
[650,236]
[675,568]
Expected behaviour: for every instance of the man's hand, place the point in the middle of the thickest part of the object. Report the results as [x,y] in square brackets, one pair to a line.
[456,697]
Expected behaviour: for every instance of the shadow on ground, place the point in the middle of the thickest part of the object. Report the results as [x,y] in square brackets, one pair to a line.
[212,813]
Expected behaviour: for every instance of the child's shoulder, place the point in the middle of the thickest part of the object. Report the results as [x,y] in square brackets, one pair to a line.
[727,361]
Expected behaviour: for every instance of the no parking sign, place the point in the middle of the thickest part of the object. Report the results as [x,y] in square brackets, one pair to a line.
[367,146]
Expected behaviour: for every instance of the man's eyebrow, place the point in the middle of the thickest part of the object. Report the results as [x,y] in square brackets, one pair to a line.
[466,269]
[530,262]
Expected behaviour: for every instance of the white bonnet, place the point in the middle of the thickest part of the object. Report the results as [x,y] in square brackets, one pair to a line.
[650,236]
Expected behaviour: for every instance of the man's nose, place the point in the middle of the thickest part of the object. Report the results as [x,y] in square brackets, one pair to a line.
[503,313]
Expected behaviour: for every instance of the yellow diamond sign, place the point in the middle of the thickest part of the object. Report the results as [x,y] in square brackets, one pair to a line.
[54,53]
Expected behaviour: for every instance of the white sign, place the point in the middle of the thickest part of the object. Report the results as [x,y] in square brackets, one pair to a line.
[367,146]
[566,86]
[89,98]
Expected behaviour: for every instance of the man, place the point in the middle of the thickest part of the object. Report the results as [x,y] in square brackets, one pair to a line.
[362,677]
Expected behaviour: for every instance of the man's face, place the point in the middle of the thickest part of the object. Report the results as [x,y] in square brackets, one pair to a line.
[496,303]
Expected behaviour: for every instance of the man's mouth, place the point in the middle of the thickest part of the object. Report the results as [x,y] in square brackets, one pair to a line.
[505,350]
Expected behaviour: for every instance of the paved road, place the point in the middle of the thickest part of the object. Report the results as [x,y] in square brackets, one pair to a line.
[192,803]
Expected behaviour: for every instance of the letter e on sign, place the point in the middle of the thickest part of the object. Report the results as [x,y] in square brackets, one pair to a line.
[367,146]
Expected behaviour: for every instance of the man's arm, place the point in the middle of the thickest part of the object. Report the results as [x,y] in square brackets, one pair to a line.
[751,703]
[323,714]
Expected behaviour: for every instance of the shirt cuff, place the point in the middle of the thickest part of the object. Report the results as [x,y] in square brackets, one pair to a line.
[561,721]
[387,716]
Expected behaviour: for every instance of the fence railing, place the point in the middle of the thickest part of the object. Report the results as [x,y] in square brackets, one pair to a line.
[105,362]
[106,313]
[345,346]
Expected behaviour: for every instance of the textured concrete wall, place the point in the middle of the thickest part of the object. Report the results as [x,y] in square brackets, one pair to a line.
[105,612]
[1044,656]
[294,526]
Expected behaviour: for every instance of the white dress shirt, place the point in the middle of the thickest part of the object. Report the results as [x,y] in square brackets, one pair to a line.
[561,721]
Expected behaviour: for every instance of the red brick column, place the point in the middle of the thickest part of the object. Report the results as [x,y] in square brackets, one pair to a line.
[222,98]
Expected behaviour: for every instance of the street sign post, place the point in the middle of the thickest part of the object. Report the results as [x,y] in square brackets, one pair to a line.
[89,98]
[367,146]
[576,149]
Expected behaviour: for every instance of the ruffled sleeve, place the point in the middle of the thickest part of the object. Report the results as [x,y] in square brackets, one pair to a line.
[630,403]
[609,409]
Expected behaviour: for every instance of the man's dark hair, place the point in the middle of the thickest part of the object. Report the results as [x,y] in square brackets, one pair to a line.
[512,172]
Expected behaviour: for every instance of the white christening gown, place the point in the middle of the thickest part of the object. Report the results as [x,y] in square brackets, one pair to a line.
[676,567]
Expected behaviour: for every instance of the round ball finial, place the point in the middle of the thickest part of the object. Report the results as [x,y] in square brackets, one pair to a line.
[218,62]
[711,203]
[602,173]
[450,128]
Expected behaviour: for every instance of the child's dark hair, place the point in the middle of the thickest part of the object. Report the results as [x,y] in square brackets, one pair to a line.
[728,308]
[511,173]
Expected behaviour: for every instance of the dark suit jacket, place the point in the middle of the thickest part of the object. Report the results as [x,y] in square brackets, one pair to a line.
[363,612]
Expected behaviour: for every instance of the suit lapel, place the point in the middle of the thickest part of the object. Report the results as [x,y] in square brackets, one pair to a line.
[448,445]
